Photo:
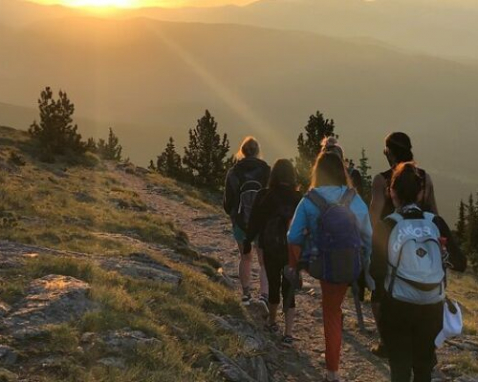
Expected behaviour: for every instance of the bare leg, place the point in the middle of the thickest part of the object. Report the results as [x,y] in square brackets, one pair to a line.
[264,285]
[273,313]
[245,269]
[289,321]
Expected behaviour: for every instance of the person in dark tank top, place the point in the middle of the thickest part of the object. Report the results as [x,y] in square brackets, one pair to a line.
[398,149]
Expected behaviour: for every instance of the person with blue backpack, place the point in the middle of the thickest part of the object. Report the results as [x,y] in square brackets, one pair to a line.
[243,182]
[271,214]
[331,236]
[410,259]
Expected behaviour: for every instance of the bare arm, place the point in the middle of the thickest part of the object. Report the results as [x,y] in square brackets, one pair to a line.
[377,204]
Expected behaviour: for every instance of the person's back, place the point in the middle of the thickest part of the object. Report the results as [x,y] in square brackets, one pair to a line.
[398,149]
[243,183]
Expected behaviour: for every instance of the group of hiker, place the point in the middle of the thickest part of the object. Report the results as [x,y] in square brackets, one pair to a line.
[398,247]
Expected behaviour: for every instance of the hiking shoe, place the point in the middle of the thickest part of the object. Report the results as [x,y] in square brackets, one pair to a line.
[287,341]
[272,328]
[264,304]
[246,299]
[379,350]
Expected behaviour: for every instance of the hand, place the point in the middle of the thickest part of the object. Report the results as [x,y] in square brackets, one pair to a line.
[246,247]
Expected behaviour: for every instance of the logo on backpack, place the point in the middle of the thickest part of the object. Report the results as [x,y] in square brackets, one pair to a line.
[337,249]
[415,263]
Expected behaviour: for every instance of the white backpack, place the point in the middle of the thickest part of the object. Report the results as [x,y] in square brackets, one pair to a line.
[416,273]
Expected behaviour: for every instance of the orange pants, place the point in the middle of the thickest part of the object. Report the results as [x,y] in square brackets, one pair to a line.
[332,297]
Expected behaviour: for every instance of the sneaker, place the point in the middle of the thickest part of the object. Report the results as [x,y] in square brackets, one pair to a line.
[246,299]
[379,350]
[272,328]
[287,341]
[264,304]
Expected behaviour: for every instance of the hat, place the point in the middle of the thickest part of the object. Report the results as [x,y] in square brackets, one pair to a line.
[452,322]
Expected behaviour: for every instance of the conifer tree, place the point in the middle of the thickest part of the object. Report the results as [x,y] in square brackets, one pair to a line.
[55,132]
[309,145]
[461,223]
[471,241]
[111,149]
[169,162]
[366,178]
[205,157]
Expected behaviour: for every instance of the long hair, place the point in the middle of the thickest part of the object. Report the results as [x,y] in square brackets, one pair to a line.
[329,170]
[283,173]
[400,146]
[249,148]
[407,182]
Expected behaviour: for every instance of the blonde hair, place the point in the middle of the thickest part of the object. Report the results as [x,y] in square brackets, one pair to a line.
[331,145]
[249,148]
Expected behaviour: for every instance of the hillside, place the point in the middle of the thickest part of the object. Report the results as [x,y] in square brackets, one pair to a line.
[112,273]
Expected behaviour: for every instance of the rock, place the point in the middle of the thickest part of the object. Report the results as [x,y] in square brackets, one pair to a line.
[8,356]
[4,309]
[467,379]
[7,376]
[126,340]
[141,266]
[88,337]
[53,299]
[252,345]
[258,365]
[115,362]
[230,369]
[84,197]
[222,278]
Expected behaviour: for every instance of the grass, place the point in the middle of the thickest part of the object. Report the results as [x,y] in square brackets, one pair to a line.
[176,316]
[464,289]
[84,207]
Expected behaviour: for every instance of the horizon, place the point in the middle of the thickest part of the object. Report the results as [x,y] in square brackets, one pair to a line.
[138,4]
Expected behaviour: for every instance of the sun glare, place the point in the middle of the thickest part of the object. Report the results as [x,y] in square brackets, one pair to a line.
[100,3]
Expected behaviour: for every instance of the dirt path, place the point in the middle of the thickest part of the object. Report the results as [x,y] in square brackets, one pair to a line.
[210,234]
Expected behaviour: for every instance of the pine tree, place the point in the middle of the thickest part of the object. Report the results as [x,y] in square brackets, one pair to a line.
[366,178]
[56,133]
[110,150]
[461,223]
[205,157]
[471,238]
[169,162]
[151,166]
[309,145]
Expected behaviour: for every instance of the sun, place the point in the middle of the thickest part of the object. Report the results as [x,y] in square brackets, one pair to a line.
[99,3]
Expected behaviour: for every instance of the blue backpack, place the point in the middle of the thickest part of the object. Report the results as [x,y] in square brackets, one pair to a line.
[337,249]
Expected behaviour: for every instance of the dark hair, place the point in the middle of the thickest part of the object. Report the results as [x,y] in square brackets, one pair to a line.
[400,146]
[407,182]
[283,173]
[249,148]
[329,170]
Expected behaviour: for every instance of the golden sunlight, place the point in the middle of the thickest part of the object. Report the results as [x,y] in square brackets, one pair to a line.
[99,3]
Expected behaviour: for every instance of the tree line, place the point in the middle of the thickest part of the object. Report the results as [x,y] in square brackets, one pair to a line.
[207,157]
[467,229]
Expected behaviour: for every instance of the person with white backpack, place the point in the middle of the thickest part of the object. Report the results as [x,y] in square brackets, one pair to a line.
[243,182]
[408,255]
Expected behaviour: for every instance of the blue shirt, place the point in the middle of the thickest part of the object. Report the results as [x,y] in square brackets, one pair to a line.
[304,223]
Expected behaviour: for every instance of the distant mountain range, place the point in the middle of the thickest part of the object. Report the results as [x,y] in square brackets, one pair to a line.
[445,28]
[150,79]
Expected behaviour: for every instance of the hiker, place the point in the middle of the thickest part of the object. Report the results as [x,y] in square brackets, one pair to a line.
[271,214]
[407,257]
[243,182]
[398,149]
[331,187]
[331,144]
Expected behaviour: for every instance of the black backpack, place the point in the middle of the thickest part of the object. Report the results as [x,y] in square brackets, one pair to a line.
[274,235]
[247,195]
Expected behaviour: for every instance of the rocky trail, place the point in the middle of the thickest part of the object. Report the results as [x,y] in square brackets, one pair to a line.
[209,233]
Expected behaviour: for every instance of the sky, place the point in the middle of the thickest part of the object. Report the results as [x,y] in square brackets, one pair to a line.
[145,3]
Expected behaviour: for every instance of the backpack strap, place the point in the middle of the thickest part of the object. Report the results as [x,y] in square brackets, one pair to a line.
[348,197]
[317,200]
[396,217]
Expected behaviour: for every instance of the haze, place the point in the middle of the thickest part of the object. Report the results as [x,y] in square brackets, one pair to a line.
[263,68]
